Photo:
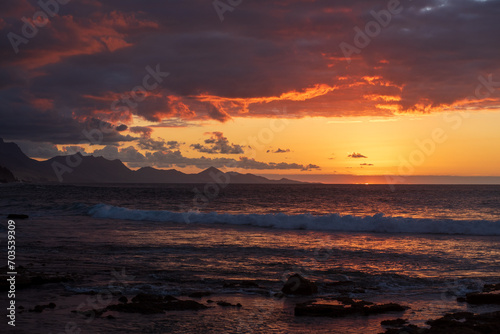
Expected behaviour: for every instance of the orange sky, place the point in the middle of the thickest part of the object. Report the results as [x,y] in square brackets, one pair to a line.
[298,88]
[442,144]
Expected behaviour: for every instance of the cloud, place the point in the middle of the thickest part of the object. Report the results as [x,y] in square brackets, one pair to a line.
[24,121]
[41,150]
[94,52]
[128,154]
[356,155]
[217,114]
[69,150]
[365,164]
[171,158]
[173,144]
[218,144]
[174,123]
[310,167]
[279,150]
[144,131]
[157,145]
[38,149]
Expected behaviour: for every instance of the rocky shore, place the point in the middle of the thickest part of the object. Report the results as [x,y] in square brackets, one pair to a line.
[308,299]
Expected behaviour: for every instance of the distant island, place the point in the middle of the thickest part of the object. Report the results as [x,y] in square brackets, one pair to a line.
[16,166]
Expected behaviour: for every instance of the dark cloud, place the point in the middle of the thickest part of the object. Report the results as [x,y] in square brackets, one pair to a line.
[39,150]
[121,127]
[143,130]
[365,164]
[217,114]
[95,52]
[356,155]
[127,154]
[174,123]
[157,145]
[42,150]
[167,159]
[279,150]
[218,144]
[310,167]
[27,118]
[173,144]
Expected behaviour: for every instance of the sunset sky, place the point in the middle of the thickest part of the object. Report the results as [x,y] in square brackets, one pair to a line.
[301,88]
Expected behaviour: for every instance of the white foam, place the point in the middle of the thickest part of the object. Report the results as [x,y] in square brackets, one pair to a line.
[333,222]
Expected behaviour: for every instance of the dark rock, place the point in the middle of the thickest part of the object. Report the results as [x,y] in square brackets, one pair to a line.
[450,317]
[151,304]
[353,302]
[341,307]
[298,285]
[184,305]
[394,323]
[40,308]
[17,216]
[410,329]
[199,294]
[465,322]
[313,310]
[491,287]
[169,298]
[123,299]
[385,308]
[492,297]
[226,304]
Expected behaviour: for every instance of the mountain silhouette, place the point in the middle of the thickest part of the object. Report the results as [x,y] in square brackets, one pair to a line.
[78,168]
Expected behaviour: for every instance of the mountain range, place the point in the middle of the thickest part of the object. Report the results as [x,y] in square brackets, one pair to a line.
[79,168]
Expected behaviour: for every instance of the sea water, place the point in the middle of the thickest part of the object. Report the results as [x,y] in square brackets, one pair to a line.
[422,246]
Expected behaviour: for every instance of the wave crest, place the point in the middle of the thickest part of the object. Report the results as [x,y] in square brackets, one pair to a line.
[378,223]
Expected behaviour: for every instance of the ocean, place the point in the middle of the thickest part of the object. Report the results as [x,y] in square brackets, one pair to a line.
[418,245]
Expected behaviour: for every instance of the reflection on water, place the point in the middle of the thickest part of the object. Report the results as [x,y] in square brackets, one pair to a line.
[426,272]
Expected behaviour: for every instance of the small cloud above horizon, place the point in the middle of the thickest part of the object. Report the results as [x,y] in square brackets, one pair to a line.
[310,167]
[218,144]
[356,155]
[279,150]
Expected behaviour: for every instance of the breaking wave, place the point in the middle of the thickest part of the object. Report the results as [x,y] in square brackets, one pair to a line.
[378,223]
